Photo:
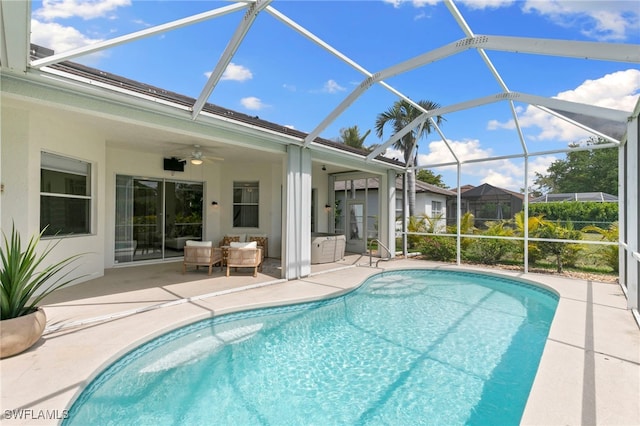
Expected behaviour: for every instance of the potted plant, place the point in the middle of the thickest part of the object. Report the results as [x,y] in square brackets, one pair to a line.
[22,287]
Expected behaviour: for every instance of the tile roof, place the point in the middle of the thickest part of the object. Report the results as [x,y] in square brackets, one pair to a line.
[114,80]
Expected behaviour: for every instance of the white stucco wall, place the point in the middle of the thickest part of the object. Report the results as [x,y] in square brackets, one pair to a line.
[269,175]
[25,134]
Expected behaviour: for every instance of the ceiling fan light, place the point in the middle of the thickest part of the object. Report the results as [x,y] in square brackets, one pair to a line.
[196,161]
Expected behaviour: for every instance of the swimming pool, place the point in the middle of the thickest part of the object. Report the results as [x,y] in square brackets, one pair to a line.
[407,347]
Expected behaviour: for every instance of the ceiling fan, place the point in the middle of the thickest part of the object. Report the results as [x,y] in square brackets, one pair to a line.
[197,156]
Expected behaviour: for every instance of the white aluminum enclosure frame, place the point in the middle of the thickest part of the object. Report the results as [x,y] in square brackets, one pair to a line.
[14,56]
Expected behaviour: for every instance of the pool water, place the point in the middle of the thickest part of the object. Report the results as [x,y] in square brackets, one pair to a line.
[407,347]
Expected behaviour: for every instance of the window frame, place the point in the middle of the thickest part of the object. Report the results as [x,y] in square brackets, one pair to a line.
[65,164]
[436,212]
[253,185]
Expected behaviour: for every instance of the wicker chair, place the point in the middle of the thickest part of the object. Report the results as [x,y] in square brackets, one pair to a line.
[246,257]
[263,243]
[201,253]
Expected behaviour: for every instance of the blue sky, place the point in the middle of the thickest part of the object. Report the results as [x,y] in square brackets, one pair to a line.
[280,76]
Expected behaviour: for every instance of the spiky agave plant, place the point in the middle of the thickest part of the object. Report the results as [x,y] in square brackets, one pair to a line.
[22,287]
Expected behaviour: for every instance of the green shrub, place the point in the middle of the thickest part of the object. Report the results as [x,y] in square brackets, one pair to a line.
[491,251]
[584,213]
[561,251]
[438,248]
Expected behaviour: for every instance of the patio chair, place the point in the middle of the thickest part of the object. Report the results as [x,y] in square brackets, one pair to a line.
[201,253]
[246,256]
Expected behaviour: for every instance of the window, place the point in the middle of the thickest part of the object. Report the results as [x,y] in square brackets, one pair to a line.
[246,197]
[436,208]
[65,195]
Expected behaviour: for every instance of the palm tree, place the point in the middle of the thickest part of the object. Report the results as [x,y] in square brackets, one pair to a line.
[351,136]
[399,116]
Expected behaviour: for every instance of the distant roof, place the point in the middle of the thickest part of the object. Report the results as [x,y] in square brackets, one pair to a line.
[427,187]
[374,183]
[487,189]
[576,196]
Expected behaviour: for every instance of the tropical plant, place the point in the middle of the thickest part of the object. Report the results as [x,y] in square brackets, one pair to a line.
[22,288]
[435,247]
[608,253]
[467,227]
[533,224]
[399,116]
[415,224]
[489,250]
[564,253]
[351,136]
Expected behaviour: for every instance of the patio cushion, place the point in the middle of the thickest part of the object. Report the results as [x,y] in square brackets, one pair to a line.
[228,239]
[262,241]
[251,244]
[192,243]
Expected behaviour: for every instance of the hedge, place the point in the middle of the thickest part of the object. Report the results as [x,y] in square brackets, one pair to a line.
[580,213]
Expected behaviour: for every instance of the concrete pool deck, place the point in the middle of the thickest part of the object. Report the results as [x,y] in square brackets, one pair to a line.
[589,372]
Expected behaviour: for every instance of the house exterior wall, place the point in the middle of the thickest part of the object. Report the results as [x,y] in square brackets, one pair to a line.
[27,130]
[218,178]
[424,207]
[38,117]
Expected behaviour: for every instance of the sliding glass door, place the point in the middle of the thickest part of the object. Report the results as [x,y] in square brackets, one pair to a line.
[183,216]
[155,217]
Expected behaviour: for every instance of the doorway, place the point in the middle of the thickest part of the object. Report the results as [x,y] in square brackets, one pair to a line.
[356,238]
[155,218]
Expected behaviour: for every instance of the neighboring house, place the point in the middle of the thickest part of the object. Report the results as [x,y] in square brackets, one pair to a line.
[486,202]
[431,201]
[576,196]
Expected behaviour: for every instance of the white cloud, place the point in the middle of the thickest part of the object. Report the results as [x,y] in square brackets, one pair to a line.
[540,164]
[471,4]
[58,37]
[497,178]
[289,87]
[618,90]
[486,4]
[332,86]
[507,173]
[465,150]
[85,9]
[504,173]
[601,20]
[252,103]
[236,73]
[415,3]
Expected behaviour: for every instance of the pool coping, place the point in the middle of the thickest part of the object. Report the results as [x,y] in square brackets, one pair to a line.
[589,372]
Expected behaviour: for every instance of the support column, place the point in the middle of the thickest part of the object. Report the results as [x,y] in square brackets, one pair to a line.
[388,212]
[296,226]
[629,175]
